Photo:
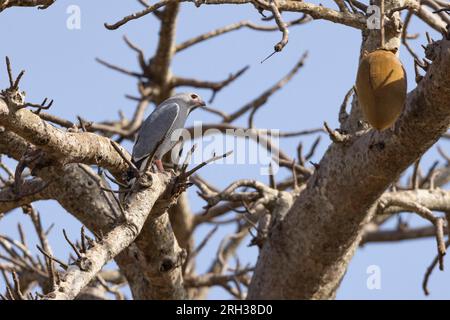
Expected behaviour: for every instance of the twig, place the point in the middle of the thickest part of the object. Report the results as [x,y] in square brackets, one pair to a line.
[125,158]
[214,86]
[139,51]
[425,213]
[336,136]
[49,256]
[9,71]
[137,15]
[98,180]
[343,115]
[261,99]
[201,165]
[203,243]
[414,178]
[311,152]
[236,26]
[430,269]
[74,247]
[282,26]
[119,69]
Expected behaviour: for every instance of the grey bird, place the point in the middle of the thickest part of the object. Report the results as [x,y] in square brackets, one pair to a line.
[155,138]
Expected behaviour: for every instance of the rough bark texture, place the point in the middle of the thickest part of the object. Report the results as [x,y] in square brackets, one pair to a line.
[41,4]
[162,260]
[120,237]
[66,147]
[308,252]
[307,227]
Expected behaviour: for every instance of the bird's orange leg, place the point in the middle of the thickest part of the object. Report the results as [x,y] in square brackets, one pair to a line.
[159,165]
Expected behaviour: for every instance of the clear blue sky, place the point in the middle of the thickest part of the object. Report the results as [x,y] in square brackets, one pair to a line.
[60,64]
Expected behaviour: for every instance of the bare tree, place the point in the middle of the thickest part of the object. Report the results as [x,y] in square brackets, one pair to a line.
[307,227]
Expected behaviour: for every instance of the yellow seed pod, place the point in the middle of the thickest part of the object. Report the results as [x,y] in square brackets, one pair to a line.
[381,88]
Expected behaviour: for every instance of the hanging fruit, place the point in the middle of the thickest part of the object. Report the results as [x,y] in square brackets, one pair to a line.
[381,84]
[381,88]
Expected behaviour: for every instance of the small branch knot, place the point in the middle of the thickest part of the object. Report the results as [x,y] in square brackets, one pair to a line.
[14,98]
[431,50]
[84,264]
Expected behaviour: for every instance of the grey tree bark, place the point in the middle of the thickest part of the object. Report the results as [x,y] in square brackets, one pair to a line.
[307,227]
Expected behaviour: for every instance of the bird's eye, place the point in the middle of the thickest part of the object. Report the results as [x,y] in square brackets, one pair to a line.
[194,96]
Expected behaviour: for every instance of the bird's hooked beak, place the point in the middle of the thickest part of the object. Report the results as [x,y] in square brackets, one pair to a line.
[200,103]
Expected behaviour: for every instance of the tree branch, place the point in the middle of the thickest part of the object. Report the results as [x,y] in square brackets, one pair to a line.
[65,147]
[30,191]
[119,238]
[41,4]
[301,261]
[236,26]
[316,11]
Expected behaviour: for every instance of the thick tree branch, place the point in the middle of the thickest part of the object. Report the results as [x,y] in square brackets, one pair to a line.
[160,63]
[163,259]
[64,147]
[30,191]
[316,11]
[80,195]
[433,20]
[41,4]
[301,261]
[119,238]
[398,235]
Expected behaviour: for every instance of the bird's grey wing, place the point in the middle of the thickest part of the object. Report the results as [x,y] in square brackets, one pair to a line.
[154,130]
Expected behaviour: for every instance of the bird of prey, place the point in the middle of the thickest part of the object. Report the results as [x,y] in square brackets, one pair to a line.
[156,136]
